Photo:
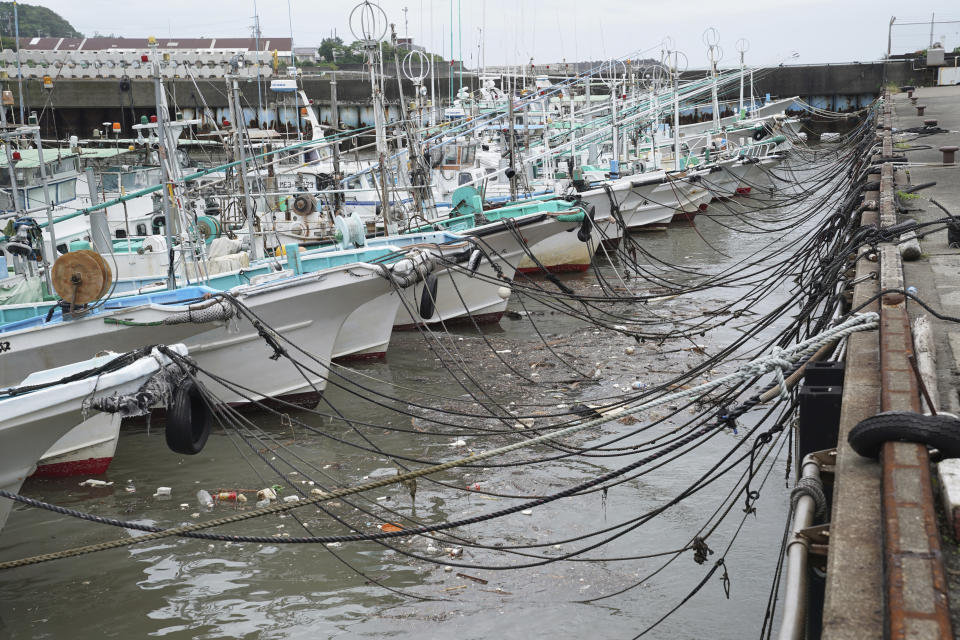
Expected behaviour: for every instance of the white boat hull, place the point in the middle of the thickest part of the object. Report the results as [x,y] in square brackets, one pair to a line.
[480,297]
[87,450]
[562,252]
[308,310]
[366,333]
[34,421]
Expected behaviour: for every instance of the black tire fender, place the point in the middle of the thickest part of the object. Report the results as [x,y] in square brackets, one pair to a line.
[760,134]
[188,419]
[586,227]
[941,432]
[428,297]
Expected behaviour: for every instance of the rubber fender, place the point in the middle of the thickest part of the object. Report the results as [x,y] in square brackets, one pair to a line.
[428,297]
[760,134]
[188,420]
[586,226]
[940,431]
[474,262]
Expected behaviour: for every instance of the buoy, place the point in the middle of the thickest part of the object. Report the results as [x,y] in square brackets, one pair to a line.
[504,292]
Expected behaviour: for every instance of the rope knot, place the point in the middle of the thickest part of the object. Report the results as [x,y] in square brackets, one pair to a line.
[700,550]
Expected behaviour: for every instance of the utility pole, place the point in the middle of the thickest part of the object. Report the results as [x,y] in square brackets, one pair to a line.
[889,48]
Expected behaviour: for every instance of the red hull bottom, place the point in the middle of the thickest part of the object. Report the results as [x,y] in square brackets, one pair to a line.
[557,268]
[305,399]
[361,357]
[483,318]
[88,467]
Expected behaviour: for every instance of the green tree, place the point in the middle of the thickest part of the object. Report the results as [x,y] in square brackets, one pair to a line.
[334,51]
[35,22]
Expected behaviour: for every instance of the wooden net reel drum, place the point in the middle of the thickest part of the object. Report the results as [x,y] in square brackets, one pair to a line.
[80,277]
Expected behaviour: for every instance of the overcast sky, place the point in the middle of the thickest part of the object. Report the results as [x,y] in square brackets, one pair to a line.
[552,30]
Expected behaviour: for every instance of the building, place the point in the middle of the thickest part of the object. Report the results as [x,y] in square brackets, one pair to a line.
[307,53]
[407,43]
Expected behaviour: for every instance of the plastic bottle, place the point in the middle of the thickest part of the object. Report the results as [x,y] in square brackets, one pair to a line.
[205,499]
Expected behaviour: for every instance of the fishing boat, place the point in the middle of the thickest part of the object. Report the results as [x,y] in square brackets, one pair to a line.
[48,404]
[306,309]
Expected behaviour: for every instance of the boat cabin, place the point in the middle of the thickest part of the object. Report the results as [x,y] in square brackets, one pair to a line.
[62,172]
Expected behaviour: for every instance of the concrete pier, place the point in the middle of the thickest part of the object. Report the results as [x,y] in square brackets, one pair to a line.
[886,574]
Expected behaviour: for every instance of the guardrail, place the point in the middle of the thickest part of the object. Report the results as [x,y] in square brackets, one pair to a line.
[130,63]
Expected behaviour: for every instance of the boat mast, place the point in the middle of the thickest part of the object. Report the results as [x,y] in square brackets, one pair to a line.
[238,128]
[335,121]
[162,151]
[676,114]
[34,128]
[614,127]
[711,38]
[368,23]
[513,142]
[743,45]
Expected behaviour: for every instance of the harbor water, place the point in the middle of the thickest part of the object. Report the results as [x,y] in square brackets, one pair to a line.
[180,588]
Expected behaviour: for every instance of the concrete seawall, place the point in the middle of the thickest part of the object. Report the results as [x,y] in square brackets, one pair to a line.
[77,106]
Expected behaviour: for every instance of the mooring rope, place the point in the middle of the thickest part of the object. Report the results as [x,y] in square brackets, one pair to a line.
[777,361]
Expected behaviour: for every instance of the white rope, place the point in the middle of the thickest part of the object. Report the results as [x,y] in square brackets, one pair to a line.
[778,361]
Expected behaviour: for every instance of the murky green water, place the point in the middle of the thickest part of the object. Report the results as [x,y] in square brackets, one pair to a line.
[192,589]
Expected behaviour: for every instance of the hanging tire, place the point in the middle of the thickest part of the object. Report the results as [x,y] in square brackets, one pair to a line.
[586,226]
[760,134]
[428,298]
[473,263]
[188,420]
[941,432]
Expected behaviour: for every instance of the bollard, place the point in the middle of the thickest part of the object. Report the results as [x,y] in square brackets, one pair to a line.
[920,108]
[910,247]
[929,123]
[949,154]
[910,94]
[913,100]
